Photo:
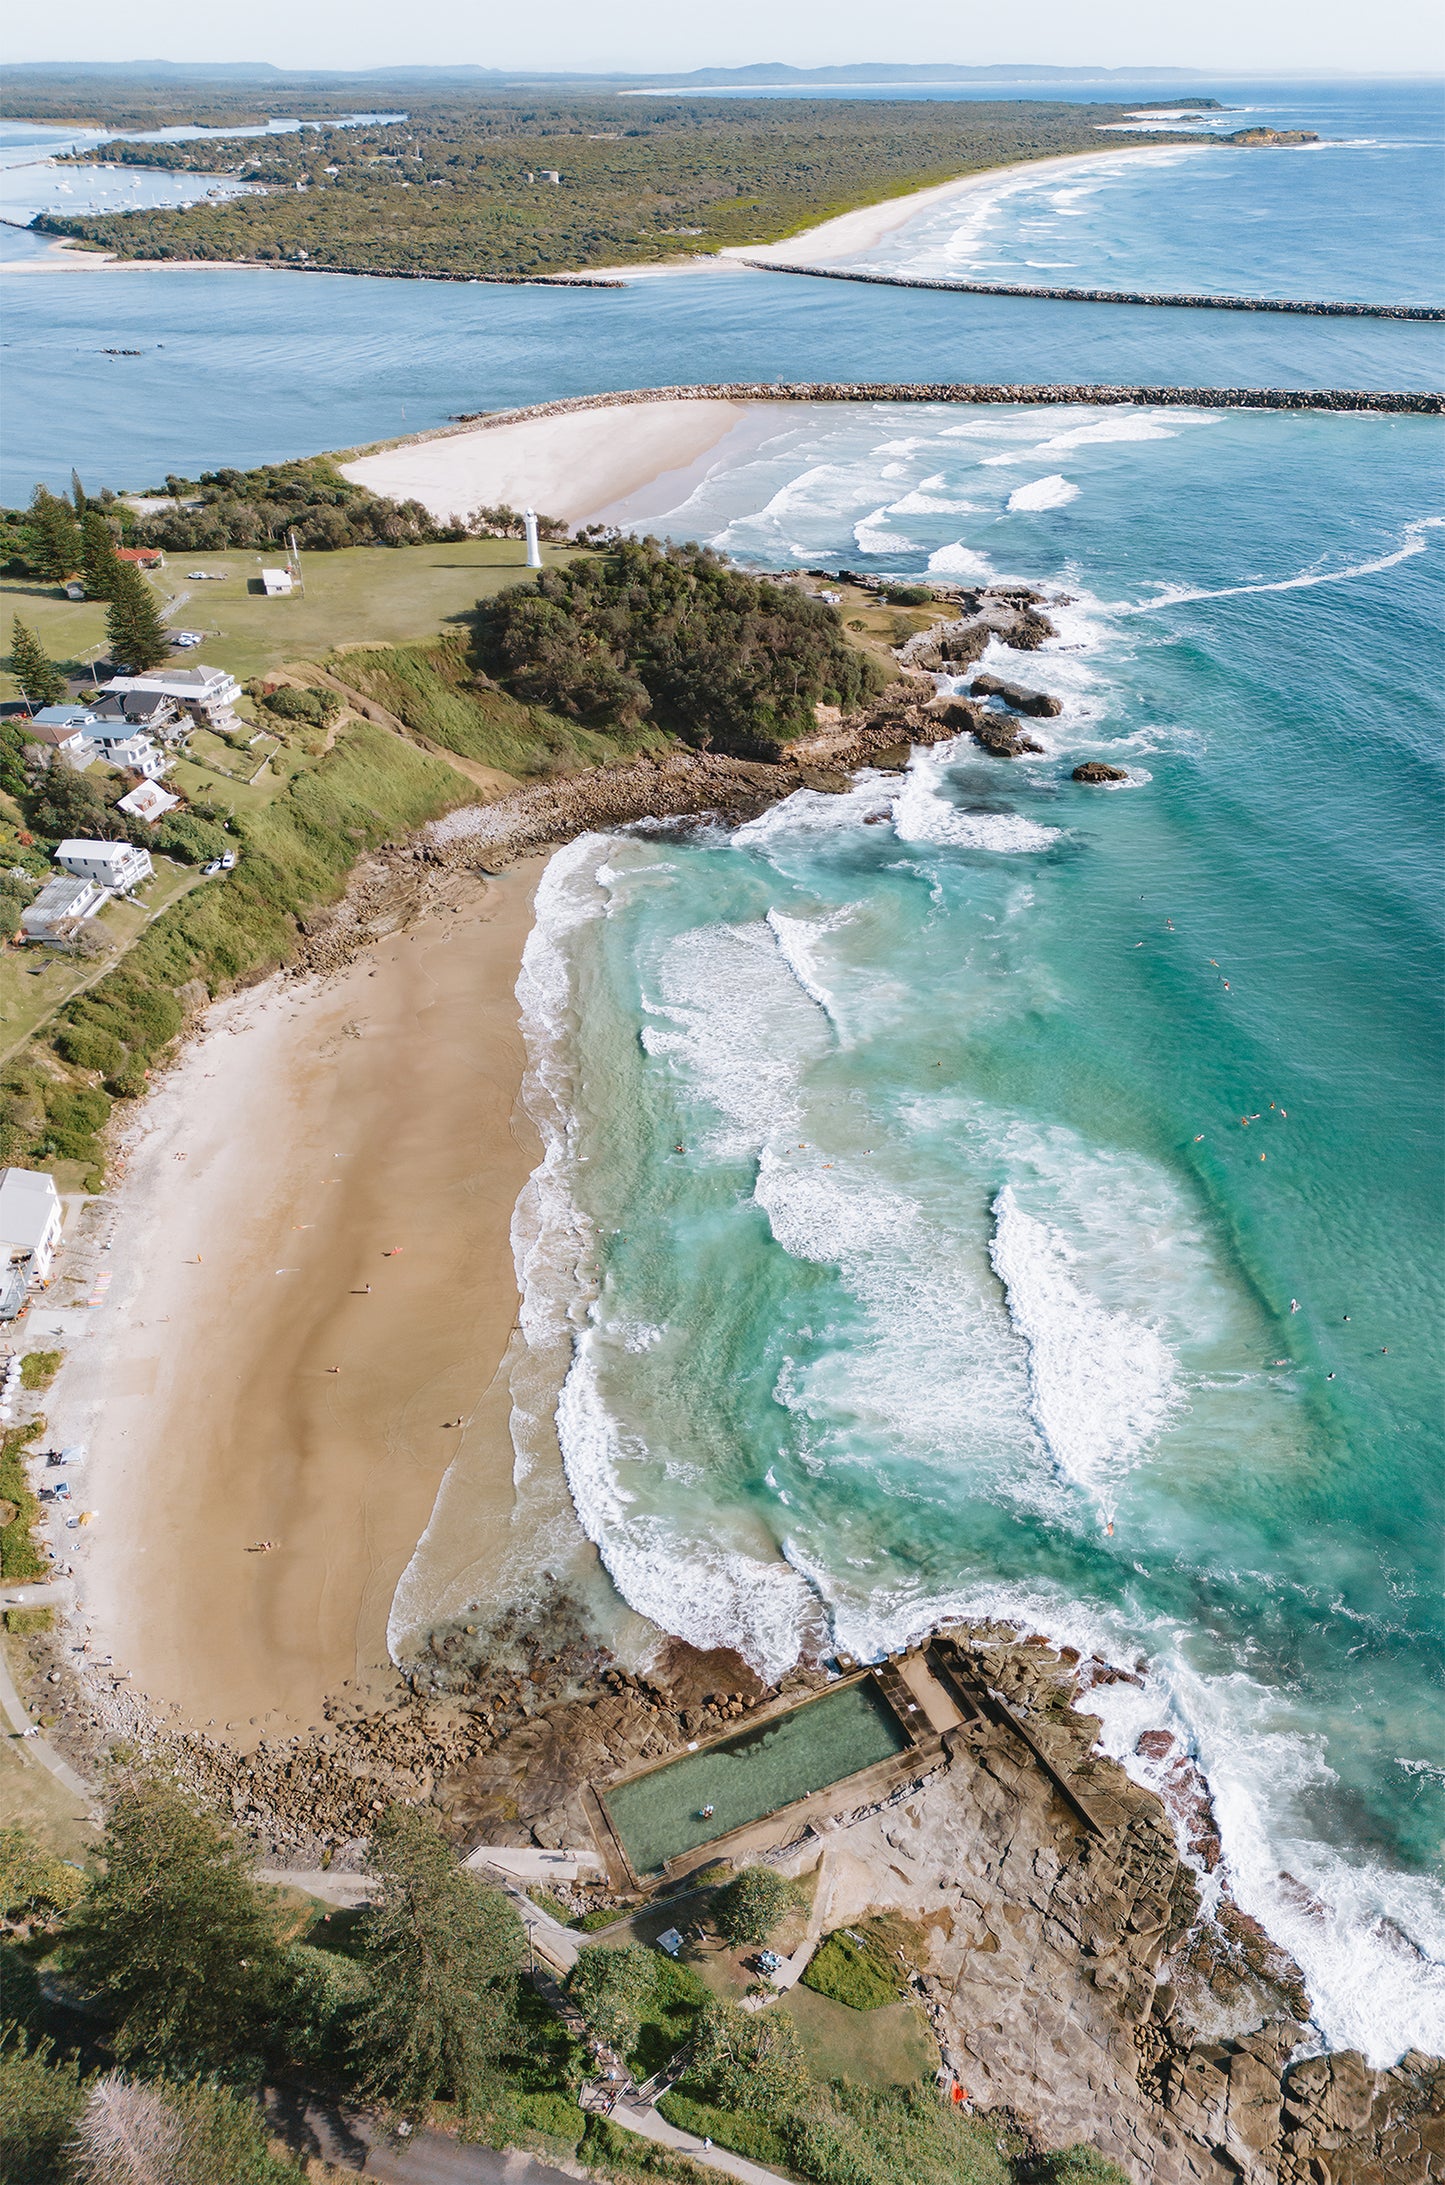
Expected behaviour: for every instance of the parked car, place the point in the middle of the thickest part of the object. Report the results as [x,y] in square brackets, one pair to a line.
[213,867]
[186,639]
[228,862]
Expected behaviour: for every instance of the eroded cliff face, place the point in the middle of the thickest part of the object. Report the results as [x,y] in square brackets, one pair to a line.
[1073,1980]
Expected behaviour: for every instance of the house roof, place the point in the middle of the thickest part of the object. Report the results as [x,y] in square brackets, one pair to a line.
[145,555]
[79,846]
[57,716]
[148,802]
[56,733]
[28,1199]
[192,682]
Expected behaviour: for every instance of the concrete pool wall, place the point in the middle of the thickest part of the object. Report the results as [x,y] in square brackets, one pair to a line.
[794,1761]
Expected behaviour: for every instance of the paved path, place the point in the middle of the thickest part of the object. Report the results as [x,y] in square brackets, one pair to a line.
[527,1864]
[642,2118]
[358,2143]
[38,1749]
[556,1944]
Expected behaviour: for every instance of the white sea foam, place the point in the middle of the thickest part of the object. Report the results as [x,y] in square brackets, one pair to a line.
[959,560]
[1051,492]
[1414,542]
[1102,1383]
[707,1592]
[922,813]
[738,1025]
[799,942]
[872,536]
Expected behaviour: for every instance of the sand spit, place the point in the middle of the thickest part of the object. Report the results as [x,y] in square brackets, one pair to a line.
[312,1284]
[569,466]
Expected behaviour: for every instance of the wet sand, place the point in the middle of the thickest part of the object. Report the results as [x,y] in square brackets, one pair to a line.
[309,1132]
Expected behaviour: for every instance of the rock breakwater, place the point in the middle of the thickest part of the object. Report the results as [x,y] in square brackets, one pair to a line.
[1147,297]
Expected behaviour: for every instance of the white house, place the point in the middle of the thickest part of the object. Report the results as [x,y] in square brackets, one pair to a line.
[147,801]
[61,907]
[116,865]
[121,745]
[48,737]
[30,1220]
[277,583]
[208,694]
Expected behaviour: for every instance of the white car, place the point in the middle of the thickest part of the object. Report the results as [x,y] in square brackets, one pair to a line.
[213,867]
[187,638]
[228,862]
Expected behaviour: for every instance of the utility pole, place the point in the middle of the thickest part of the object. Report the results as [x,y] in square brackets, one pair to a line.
[534,551]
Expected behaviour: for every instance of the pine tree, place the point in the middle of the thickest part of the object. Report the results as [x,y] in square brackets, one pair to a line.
[77,493]
[54,534]
[97,555]
[133,621]
[443,1955]
[33,669]
[175,1939]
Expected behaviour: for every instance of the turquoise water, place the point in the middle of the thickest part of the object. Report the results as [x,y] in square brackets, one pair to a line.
[969,1253]
[747,1777]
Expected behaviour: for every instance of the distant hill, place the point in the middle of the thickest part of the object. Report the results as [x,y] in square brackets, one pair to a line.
[757,74]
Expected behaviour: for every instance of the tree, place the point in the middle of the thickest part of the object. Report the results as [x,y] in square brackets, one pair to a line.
[98,561]
[749,2059]
[752,1904]
[168,2134]
[77,492]
[176,1939]
[33,668]
[443,1954]
[54,535]
[40,2097]
[612,1989]
[33,1879]
[65,803]
[133,621]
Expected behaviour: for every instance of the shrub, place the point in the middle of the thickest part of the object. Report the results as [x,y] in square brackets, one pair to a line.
[90,1047]
[74,1113]
[26,1623]
[194,841]
[39,1367]
[746,2133]
[20,1558]
[748,2059]
[907,595]
[40,2098]
[852,1971]
[752,1904]
[31,1877]
[1075,2166]
[316,706]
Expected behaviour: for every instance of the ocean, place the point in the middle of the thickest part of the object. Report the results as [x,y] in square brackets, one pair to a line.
[979,1194]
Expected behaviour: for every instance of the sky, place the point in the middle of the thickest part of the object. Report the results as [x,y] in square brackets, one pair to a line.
[1264,36]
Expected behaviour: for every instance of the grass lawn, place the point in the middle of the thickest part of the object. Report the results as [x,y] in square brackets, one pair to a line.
[362,595]
[880,2048]
[34,981]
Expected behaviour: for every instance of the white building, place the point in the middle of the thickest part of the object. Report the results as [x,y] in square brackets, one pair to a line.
[30,1220]
[147,801]
[46,740]
[61,908]
[121,745]
[208,694]
[277,583]
[116,865]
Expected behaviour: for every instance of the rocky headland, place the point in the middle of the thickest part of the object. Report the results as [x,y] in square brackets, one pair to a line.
[1096,1982]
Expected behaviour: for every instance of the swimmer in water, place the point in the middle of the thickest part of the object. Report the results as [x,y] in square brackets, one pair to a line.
[1294,1304]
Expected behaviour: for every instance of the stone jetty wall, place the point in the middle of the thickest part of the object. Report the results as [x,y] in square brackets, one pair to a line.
[1397,402]
[1114,295]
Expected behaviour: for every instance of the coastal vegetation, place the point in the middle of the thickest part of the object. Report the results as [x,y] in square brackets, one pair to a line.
[155,1990]
[464,187]
[675,635]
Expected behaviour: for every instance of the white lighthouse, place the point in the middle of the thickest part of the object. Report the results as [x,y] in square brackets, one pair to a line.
[534,551]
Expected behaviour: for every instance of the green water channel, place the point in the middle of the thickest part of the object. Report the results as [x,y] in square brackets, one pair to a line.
[754,1774]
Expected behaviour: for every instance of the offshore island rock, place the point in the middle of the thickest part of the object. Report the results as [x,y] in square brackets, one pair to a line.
[1095,770]
[1039,703]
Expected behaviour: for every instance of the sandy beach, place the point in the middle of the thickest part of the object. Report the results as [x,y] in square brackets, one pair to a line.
[863,230]
[572,465]
[312,1285]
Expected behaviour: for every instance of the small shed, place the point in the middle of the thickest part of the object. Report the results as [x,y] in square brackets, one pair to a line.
[277,583]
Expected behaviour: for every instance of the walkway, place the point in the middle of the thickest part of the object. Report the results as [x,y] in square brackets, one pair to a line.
[642,2118]
[38,1749]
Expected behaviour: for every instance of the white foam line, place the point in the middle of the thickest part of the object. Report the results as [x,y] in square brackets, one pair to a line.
[1415,543]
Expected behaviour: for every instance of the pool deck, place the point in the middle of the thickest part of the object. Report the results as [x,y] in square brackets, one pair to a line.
[922,1708]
